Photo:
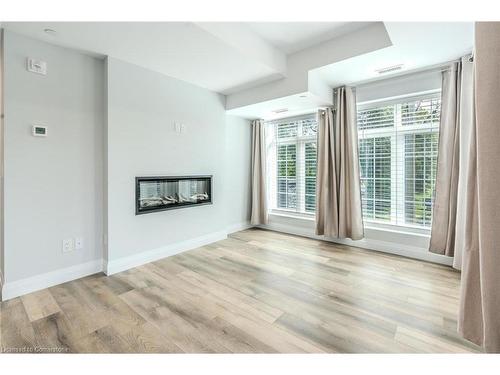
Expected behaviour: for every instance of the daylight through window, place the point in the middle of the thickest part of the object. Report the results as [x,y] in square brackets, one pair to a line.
[294,149]
[398,147]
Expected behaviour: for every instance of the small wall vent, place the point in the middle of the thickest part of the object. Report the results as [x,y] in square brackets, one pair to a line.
[389,69]
[281,110]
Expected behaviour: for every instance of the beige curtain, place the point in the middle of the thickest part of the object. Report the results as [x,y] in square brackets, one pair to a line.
[449,225]
[338,203]
[259,197]
[479,319]
[445,202]
[466,127]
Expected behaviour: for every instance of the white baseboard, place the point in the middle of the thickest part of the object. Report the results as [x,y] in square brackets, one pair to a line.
[1,284]
[46,280]
[238,227]
[32,284]
[368,244]
[148,256]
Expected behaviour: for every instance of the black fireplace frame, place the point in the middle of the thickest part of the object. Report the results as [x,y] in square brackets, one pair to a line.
[138,180]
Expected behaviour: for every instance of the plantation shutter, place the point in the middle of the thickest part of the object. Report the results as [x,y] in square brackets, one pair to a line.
[398,142]
[295,143]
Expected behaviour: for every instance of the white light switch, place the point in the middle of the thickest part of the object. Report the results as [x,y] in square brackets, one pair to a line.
[36,66]
[67,245]
[179,127]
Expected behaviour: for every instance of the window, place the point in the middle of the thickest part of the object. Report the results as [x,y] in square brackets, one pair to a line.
[398,145]
[292,173]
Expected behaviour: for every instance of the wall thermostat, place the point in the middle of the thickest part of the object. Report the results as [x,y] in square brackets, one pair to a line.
[36,66]
[39,131]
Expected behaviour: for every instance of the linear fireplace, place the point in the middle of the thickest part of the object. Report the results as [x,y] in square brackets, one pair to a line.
[169,192]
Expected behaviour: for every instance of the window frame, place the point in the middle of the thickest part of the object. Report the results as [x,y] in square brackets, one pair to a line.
[300,177]
[397,135]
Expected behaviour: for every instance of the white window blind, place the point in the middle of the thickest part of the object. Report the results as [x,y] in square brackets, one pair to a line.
[398,144]
[293,164]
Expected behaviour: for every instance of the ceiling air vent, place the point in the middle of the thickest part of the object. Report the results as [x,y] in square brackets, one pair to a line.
[389,69]
[281,110]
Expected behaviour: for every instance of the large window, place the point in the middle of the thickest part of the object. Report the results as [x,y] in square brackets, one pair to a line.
[398,144]
[293,159]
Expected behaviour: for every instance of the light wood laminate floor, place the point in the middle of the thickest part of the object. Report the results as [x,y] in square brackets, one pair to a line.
[255,292]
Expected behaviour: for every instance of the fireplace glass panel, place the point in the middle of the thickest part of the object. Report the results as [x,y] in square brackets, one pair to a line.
[163,193]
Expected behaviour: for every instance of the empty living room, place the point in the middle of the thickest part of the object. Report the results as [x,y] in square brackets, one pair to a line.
[233,187]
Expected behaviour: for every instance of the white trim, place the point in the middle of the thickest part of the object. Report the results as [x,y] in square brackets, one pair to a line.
[32,284]
[300,141]
[366,243]
[292,214]
[125,263]
[403,229]
[369,224]
[1,284]
[284,120]
[390,100]
[45,280]
[238,227]
[397,134]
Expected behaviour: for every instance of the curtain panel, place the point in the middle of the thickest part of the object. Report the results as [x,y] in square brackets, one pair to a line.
[466,128]
[480,288]
[259,213]
[445,201]
[338,191]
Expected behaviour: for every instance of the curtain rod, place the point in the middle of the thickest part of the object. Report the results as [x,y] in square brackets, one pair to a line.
[322,111]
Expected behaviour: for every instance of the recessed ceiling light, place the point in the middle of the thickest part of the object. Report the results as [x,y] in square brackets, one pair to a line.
[389,69]
[50,32]
[303,96]
[281,110]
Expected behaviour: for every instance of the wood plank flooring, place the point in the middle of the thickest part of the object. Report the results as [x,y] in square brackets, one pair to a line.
[255,292]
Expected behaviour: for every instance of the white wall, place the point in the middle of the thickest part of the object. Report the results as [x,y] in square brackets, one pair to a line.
[399,86]
[53,185]
[238,171]
[141,141]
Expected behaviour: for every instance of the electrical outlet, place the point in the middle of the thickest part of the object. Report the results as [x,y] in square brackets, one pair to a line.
[78,243]
[67,245]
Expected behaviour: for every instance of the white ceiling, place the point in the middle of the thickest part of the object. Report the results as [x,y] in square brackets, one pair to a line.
[232,57]
[293,105]
[224,57]
[416,45]
[184,50]
[291,37]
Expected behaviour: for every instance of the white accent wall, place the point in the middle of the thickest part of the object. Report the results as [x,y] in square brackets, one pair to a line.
[141,141]
[53,185]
